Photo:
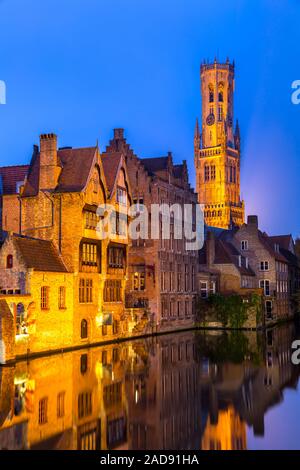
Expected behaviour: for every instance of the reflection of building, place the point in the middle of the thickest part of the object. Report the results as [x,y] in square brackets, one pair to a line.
[181,391]
[229,433]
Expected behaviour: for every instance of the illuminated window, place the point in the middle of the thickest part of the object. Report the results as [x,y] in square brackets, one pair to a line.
[45,297]
[89,257]
[139,280]
[9,262]
[91,220]
[61,297]
[43,409]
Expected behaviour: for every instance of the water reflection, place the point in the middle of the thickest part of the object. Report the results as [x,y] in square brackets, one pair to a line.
[193,390]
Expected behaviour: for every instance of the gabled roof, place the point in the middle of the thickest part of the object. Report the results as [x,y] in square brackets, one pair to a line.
[40,255]
[284,241]
[111,163]
[226,253]
[10,176]
[76,166]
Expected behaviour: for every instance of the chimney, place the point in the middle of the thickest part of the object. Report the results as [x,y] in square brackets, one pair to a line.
[118,134]
[253,220]
[49,166]
[210,249]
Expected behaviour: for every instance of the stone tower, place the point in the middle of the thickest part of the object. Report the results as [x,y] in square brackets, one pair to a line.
[217,149]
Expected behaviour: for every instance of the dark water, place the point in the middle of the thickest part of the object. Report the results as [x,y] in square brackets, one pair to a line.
[191,390]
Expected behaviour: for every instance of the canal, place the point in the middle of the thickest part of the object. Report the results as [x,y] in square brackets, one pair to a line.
[189,390]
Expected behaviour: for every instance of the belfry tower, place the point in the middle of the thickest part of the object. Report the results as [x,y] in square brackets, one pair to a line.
[217,149]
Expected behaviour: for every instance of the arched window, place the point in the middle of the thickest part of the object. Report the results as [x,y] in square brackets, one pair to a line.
[221,98]
[84,329]
[9,261]
[211,93]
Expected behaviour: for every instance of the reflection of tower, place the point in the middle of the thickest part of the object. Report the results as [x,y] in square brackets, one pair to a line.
[228,434]
[217,148]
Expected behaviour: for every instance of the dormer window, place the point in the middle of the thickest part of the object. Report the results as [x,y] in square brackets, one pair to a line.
[9,262]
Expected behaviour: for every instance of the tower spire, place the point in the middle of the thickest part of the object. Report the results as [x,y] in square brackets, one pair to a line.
[197,136]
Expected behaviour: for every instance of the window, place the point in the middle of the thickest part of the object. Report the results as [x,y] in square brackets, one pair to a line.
[186,277]
[206,173]
[83,363]
[89,257]
[265,285]
[61,405]
[9,262]
[139,280]
[244,245]
[45,297]
[203,290]
[221,98]
[269,309]
[213,287]
[139,202]
[112,290]
[84,404]
[118,223]
[91,220]
[121,196]
[43,408]
[85,291]
[193,278]
[211,95]
[213,172]
[220,113]
[116,257]
[264,265]
[89,436]
[61,297]
[84,329]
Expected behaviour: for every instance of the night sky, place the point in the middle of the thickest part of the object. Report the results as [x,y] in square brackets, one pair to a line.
[82,67]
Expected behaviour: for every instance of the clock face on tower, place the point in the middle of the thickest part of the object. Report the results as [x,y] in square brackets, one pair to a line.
[210,120]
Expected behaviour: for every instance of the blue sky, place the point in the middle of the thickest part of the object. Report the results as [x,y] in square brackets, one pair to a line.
[82,67]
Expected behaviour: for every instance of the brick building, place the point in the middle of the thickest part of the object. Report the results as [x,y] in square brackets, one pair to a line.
[271,268]
[57,211]
[162,272]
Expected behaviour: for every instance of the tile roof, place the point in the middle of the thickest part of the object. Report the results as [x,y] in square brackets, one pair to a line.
[10,176]
[40,255]
[226,253]
[266,241]
[111,163]
[76,165]
[284,241]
